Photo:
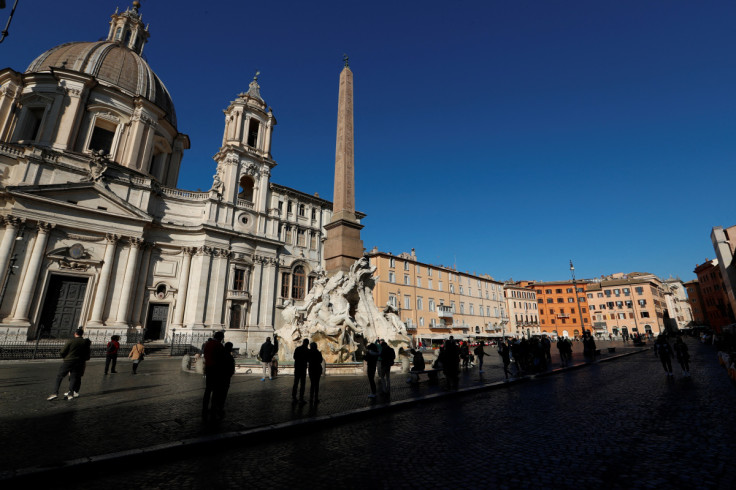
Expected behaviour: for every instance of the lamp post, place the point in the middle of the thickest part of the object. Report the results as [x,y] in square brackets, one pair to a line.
[577,300]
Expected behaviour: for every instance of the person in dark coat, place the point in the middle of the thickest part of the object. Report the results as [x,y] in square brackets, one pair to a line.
[266,355]
[505,353]
[111,354]
[683,356]
[664,351]
[588,347]
[480,353]
[451,362]
[371,360]
[222,385]
[315,372]
[75,353]
[214,366]
[388,356]
[301,359]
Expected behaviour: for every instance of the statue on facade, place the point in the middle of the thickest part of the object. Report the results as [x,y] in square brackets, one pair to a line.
[217,185]
[339,314]
[97,166]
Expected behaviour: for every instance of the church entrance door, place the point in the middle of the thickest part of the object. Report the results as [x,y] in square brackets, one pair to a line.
[156,322]
[62,309]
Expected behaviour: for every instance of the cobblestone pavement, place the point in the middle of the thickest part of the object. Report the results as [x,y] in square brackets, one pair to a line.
[620,424]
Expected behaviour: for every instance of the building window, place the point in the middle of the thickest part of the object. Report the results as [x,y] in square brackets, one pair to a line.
[253,132]
[406,279]
[246,188]
[297,286]
[301,239]
[103,135]
[392,262]
[429,283]
[406,266]
[419,282]
[407,302]
[314,214]
[302,210]
[439,286]
[421,321]
[285,283]
[431,304]
[391,277]
[462,308]
[429,272]
[288,235]
[313,241]
[392,300]
[419,303]
[289,207]
[239,280]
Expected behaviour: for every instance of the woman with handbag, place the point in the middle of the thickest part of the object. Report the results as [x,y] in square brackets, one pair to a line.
[137,353]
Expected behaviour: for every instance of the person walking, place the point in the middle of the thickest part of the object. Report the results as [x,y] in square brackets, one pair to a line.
[480,353]
[451,362]
[137,354]
[388,356]
[213,353]
[663,350]
[315,372]
[682,355]
[301,359]
[464,354]
[371,361]
[588,347]
[266,356]
[222,385]
[505,353]
[75,354]
[111,354]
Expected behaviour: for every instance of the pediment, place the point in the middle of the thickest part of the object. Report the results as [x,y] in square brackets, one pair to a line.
[83,197]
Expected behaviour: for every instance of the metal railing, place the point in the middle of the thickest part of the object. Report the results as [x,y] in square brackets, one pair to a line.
[188,342]
[14,346]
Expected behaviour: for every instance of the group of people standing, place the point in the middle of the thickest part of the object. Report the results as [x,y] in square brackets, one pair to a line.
[219,367]
[307,359]
[75,354]
[664,352]
[379,356]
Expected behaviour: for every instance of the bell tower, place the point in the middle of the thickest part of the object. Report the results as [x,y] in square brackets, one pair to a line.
[244,161]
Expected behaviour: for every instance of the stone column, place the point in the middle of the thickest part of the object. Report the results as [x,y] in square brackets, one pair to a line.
[12,224]
[268,287]
[140,289]
[129,282]
[29,280]
[219,288]
[98,307]
[198,286]
[256,292]
[181,300]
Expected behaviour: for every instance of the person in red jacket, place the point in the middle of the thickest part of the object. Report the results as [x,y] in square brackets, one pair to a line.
[111,354]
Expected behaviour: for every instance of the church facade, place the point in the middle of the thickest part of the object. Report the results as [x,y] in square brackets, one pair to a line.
[95,232]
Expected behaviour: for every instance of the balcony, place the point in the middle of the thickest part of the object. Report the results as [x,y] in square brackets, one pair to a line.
[444,311]
[238,295]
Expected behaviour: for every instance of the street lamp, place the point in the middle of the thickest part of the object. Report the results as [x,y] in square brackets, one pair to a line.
[577,300]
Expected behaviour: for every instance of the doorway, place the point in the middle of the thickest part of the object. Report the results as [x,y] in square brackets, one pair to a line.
[62,308]
[156,321]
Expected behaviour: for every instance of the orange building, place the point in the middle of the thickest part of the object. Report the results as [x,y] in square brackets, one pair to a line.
[695,298]
[435,301]
[718,312]
[558,307]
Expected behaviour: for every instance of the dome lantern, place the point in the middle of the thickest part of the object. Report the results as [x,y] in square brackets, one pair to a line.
[127,29]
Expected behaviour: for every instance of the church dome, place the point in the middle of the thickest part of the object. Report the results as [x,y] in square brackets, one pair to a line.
[112,64]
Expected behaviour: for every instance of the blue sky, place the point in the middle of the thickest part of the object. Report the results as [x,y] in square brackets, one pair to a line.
[506,137]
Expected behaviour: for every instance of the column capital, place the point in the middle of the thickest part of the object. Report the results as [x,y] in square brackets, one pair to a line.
[112,238]
[44,227]
[137,242]
[13,221]
[189,250]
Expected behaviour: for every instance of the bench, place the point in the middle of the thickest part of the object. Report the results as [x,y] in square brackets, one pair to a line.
[432,375]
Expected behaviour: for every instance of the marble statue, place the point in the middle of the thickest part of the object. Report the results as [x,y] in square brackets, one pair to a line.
[340,316]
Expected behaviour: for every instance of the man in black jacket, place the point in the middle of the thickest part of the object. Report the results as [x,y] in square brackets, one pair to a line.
[388,356]
[75,353]
[266,354]
[301,358]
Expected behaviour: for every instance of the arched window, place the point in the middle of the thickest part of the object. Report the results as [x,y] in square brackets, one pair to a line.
[246,188]
[298,282]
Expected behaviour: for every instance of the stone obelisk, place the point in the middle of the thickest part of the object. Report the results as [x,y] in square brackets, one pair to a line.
[343,245]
